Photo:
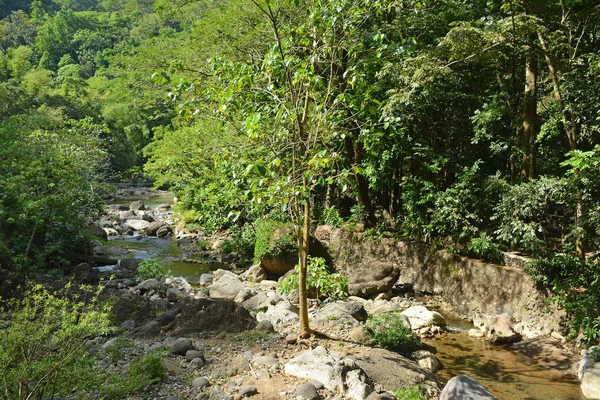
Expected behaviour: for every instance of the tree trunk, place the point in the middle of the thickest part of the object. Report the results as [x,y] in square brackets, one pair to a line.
[304,330]
[355,154]
[529,128]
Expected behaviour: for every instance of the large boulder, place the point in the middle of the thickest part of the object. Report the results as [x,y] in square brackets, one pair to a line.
[337,375]
[393,371]
[589,373]
[226,287]
[340,314]
[371,279]
[137,205]
[85,273]
[153,227]
[136,224]
[420,316]
[464,387]
[280,314]
[131,264]
[496,328]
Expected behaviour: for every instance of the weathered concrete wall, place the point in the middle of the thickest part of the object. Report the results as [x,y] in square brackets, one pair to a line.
[469,285]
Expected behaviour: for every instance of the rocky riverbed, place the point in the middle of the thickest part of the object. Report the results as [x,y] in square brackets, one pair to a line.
[228,332]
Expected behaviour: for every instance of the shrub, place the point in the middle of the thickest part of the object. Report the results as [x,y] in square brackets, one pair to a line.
[485,249]
[409,393]
[319,279]
[152,269]
[42,351]
[273,238]
[575,287]
[388,330]
[331,216]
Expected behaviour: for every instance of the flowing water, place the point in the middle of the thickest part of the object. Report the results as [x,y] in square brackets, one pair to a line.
[507,374]
[153,247]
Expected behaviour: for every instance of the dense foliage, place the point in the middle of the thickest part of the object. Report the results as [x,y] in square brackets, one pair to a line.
[469,125]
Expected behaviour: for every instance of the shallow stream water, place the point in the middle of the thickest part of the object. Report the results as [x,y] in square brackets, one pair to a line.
[153,247]
[506,373]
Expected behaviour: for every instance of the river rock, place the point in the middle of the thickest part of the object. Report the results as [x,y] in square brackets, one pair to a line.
[130,264]
[282,313]
[340,314]
[200,382]
[256,273]
[181,346]
[226,287]
[137,205]
[589,373]
[205,279]
[393,371]
[374,278]
[247,390]
[496,328]
[358,386]
[307,391]
[426,360]
[85,273]
[136,224]
[335,374]
[153,227]
[464,387]
[420,316]
[164,231]
[259,302]
[149,285]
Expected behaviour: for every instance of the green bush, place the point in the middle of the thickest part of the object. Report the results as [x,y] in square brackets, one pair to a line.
[319,279]
[331,216]
[152,269]
[485,249]
[273,238]
[409,393]
[42,351]
[388,330]
[575,287]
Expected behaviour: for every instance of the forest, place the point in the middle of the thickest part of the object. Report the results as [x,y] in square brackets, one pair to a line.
[472,126]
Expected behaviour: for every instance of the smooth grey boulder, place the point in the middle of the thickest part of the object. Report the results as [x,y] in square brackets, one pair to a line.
[307,391]
[340,314]
[181,346]
[226,287]
[200,382]
[393,371]
[136,224]
[589,373]
[496,328]
[464,387]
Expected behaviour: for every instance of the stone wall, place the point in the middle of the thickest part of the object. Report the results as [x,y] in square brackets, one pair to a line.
[469,285]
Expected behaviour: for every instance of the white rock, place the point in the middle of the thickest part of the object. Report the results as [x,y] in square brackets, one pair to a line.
[357,387]
[319,365]
[282,313]
[589,373]
[136,224]
[420,316]
[463,387]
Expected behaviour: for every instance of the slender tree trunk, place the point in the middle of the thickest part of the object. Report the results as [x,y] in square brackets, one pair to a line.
[304,330]
[529,129]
